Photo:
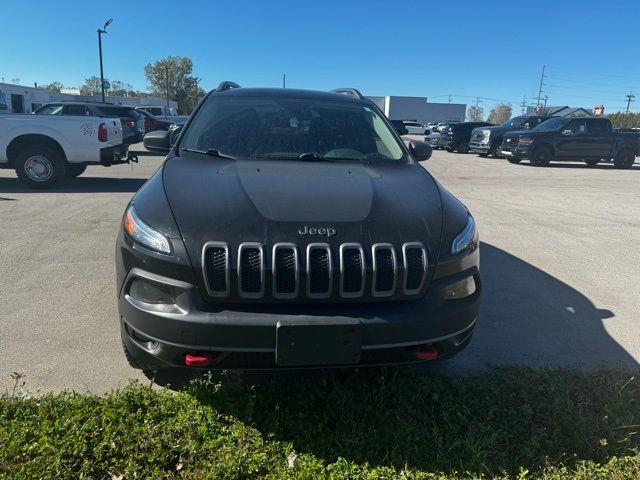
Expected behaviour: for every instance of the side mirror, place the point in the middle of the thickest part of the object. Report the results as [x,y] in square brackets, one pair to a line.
[420,150]
[174,133]
[158,141]
[567,132]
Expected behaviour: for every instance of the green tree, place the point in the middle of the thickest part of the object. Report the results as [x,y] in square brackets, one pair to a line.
[121,89]
[173,76]
[475,113]
[53,86]
[500,113]
[625,120]
[91,86]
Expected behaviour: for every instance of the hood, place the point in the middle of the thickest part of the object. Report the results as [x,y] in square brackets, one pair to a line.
[519,133]
[269,201]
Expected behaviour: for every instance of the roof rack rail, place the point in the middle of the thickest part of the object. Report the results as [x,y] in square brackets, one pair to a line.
[226,85]
[349,91]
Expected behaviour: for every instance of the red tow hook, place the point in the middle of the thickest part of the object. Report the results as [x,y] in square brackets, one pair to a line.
[198,359]
[425,352]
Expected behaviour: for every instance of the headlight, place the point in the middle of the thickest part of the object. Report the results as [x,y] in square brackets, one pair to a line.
[143,234]
[467,238]
[525,140]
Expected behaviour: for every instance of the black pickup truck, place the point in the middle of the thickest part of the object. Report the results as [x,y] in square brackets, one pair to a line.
[589,139]
[487,140]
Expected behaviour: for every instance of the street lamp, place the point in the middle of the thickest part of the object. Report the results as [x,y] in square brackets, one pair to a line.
[100,32]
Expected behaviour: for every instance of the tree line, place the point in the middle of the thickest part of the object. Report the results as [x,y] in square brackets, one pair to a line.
[170,77]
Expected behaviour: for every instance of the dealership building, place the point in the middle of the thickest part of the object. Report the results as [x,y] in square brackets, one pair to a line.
[21,99]
[419,109]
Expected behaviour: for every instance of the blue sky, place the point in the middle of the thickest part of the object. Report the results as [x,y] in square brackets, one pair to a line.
[491,49]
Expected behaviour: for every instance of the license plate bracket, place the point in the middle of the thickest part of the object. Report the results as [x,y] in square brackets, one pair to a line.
[308,343]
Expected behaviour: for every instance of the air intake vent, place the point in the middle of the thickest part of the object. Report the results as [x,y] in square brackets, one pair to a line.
[251,270]
[319,270]
[384,270]
[215,265]
[285,270]
[414,256]
[352,270]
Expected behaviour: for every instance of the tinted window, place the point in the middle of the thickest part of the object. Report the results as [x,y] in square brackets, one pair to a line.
[578,127]
[598,126]
[554,123]
[285,128]
[122,112]
[50,109]
[154,110]
[74,110]
[515,122]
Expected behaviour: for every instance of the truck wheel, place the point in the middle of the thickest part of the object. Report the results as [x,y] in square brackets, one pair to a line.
[40,166]
[483,155]
[591,162]
[75,169]
[514,160]
[463,147]
[495,151]
[624,158]
[540,157]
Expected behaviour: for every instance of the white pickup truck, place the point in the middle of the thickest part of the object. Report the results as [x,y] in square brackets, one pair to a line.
[44,149]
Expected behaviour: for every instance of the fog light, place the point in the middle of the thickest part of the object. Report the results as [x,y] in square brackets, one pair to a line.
[151,292]
[460,289]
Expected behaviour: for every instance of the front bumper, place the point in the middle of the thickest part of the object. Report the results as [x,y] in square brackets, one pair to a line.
[514,151]
[246,336]
[480,147]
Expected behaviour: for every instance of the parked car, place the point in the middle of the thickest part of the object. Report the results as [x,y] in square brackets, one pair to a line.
[151,123]
[433,139]
[132,121]
[415,128]
[488,140]
[43,150]
[591,140]
[400,127]
[278,252]
[457,136]
[165,113]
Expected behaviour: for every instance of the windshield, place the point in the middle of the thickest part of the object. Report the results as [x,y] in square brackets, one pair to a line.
[514,122]
[553,124]
[274,127]
[3,102]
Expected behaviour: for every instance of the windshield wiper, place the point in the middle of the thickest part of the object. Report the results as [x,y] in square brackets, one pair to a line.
[211,152]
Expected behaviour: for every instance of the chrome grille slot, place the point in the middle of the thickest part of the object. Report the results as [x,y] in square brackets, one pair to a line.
[385,267]
[415,260]
[352,270]
[215,266]
[285,268]
[251,270]
[319,270]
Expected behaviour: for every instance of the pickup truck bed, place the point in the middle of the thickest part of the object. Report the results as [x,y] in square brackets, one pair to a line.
[44,149]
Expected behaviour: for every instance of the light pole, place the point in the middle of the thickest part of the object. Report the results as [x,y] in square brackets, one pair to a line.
[100,32]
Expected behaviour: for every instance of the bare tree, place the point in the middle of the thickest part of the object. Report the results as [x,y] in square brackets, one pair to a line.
[475,113]
[500,113]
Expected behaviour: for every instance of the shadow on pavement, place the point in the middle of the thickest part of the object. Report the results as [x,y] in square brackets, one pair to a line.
[78,185]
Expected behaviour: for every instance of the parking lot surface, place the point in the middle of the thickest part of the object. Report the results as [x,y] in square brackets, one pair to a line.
[560,268]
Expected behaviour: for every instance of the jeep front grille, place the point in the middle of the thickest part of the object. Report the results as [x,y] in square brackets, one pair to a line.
[315,271]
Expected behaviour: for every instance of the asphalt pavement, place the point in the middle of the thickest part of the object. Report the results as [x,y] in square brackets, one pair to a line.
[559,259]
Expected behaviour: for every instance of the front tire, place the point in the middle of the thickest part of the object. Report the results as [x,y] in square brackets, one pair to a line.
[541,156]
[40,166]
[463,147]
[75,170]
[625,158]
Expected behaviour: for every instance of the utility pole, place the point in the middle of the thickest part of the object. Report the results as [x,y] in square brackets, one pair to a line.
[541,85]
[478,102]
[449,98]
[545,101]
[630,98]
[284,80]
[166,84]
[100,32]
[523,104]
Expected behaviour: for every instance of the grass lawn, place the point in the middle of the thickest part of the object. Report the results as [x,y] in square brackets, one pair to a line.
[377,424]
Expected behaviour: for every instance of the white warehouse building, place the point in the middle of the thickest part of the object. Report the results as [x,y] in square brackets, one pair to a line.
[419,109]
[22,99]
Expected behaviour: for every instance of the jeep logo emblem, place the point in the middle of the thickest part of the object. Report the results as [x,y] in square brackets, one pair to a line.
[328,231]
